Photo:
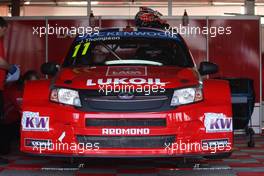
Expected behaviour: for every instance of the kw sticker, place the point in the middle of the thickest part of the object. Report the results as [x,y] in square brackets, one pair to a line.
[217,122]
[31,121]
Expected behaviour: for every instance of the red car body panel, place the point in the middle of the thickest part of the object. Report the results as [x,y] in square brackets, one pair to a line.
[187,123]
[63,119]
[173,76]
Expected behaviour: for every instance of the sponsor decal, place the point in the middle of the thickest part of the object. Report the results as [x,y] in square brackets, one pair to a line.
[181,117]
[39,143]
[62,136]
[81,70]
[75,116]
[129,131]
[217,122]
[31,121]
[116,81]
[103,36]
[215,143]
[127,71]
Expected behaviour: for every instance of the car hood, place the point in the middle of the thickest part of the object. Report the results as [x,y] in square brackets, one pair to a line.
[92,77]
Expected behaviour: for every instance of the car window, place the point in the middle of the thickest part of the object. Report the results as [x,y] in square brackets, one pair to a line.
[128,51]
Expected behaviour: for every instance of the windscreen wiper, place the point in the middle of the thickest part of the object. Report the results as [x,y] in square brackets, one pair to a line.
[111,51]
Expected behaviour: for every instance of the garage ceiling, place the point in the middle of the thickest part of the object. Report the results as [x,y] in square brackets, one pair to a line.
[109,2]
[128,1]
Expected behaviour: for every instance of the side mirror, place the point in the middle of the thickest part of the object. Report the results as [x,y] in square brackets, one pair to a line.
[207,68]
[49,68]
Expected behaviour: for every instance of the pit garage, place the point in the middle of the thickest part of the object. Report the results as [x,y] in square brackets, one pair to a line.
[131,87]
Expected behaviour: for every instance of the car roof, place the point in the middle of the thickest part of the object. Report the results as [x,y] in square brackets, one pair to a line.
[141,31]
[134,28]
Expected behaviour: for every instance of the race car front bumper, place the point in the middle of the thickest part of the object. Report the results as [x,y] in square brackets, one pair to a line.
[191,130]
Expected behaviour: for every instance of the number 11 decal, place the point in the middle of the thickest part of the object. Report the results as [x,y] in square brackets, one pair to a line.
[77,48]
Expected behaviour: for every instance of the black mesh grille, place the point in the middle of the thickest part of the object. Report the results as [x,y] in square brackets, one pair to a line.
[93,101]
[125,122]
[127,141]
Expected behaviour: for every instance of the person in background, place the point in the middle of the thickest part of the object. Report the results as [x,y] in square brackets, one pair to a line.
[4,67]
[30,75]
[13,94]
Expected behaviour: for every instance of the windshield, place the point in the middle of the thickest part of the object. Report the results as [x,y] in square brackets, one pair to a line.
[128,51]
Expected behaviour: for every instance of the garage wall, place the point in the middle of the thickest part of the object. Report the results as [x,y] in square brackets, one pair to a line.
[262,70]
[238,54]
[22,47]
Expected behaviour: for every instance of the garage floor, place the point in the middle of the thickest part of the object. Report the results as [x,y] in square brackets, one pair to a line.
[244,162]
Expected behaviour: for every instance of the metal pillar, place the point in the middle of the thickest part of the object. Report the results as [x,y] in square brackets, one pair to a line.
[169,7]
[15,8]
[89,7]
[250,7]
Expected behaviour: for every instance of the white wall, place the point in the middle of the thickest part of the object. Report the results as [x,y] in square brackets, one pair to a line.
[53,11]
[208,10]
[124,11]
[3,11]
[262,113]
[255,119]
[205,10]
[81,11]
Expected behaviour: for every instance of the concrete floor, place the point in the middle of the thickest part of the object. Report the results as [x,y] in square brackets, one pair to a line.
[244,162]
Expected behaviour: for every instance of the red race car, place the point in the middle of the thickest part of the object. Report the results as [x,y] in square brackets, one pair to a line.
[128,93]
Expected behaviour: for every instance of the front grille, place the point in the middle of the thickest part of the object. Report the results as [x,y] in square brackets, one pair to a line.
[127,141]
[93,101]
[89,122]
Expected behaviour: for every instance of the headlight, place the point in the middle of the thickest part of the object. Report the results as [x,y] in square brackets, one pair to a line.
[186,96]
[65,96]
